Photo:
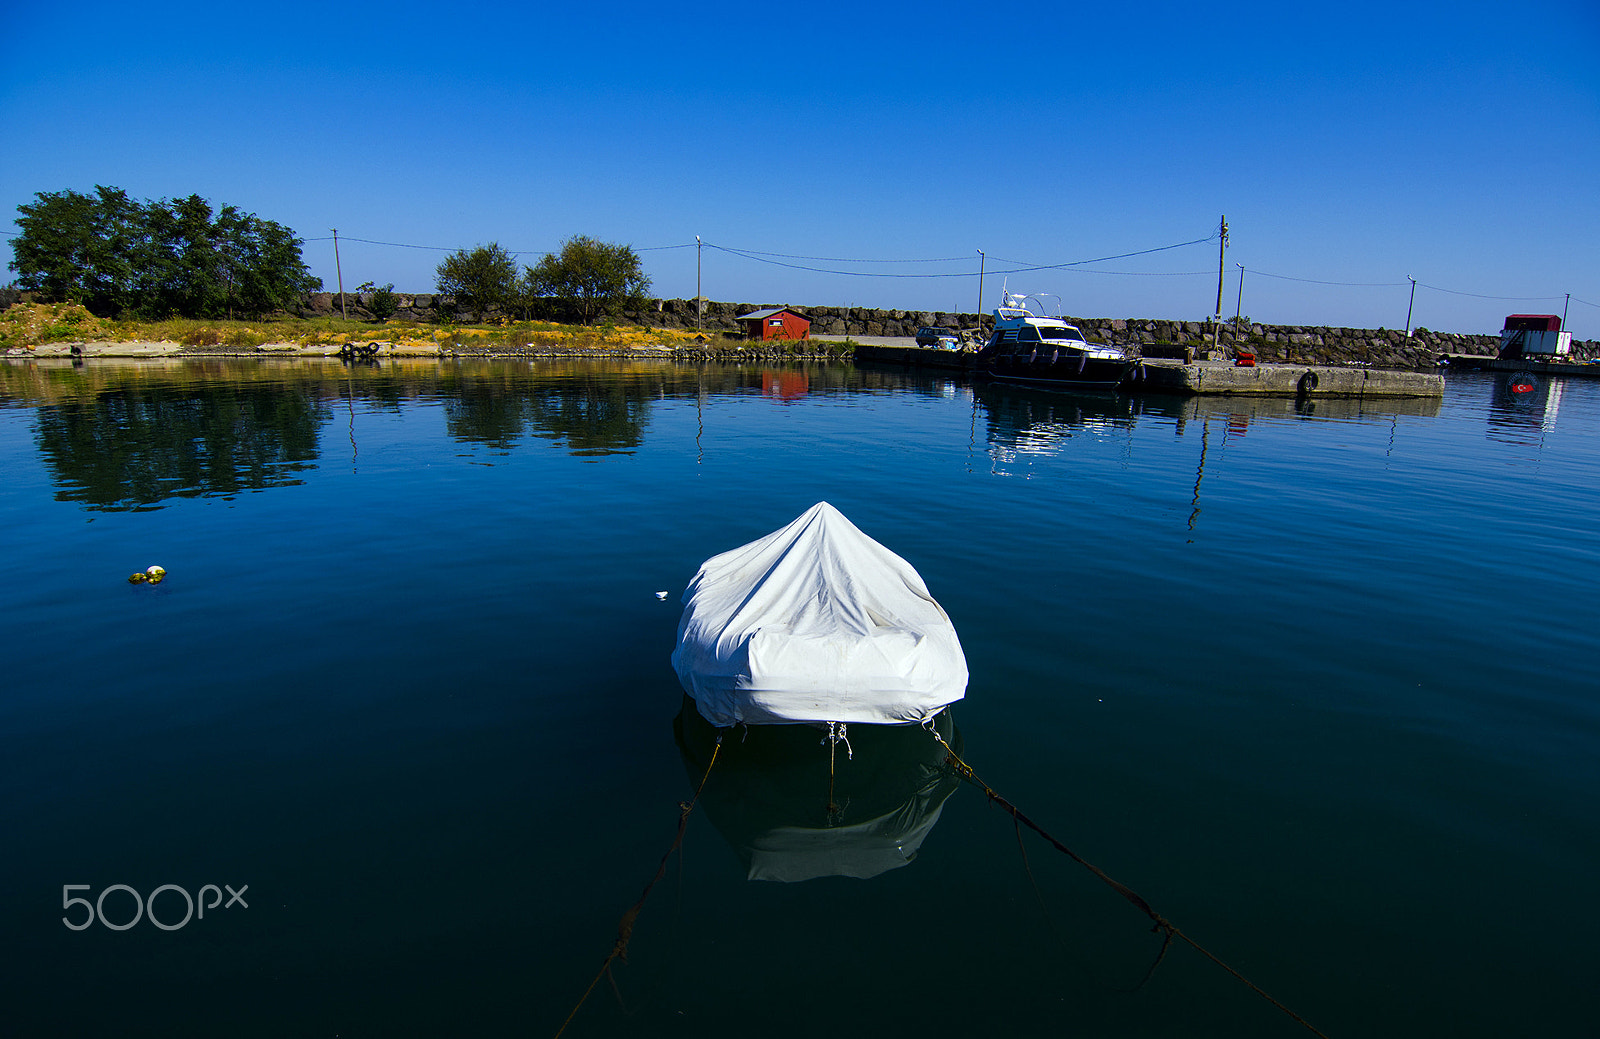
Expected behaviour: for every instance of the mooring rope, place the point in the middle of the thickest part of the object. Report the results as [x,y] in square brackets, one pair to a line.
[619,949]
[1162,924]
[836,735]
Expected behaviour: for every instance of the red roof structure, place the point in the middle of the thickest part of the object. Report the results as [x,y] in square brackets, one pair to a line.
[1532,323]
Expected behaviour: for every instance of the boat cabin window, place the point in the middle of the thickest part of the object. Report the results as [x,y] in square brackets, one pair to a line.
[1058,332]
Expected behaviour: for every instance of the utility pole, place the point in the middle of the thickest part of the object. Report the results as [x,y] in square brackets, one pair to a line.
[1409,305]
[1222,266]
[699,301]
[981,260]
[338,271]
[1222,249]
[1564,307]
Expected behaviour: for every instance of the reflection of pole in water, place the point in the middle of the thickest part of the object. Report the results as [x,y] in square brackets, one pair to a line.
[350,404]
[699,414]
[972,435]
[1200,472]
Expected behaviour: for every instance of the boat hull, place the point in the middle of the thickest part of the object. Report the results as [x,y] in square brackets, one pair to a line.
[1077,373]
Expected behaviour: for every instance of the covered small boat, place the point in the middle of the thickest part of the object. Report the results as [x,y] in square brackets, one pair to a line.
[816,623]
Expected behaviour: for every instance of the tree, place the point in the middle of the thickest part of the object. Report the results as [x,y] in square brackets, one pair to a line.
[182,267]
[79,248]
[483,278]
[260,264]
[113,254]
[598,277]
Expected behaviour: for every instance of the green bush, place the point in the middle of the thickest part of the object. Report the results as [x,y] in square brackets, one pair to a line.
[384,302]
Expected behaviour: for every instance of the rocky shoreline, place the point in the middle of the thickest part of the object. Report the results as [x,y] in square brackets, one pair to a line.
[1152,337]
[425,326]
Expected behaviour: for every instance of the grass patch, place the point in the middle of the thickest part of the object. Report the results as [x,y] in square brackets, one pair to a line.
[28,325]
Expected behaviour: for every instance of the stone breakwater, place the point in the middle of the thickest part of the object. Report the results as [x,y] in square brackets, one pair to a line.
[1299,344]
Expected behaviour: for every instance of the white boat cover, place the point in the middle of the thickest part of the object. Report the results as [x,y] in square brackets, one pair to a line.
[816,622]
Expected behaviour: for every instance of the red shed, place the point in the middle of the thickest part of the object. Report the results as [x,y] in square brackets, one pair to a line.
[776,323]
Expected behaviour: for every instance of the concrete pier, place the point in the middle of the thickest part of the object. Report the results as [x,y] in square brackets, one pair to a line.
[1283,380]
[1475,363]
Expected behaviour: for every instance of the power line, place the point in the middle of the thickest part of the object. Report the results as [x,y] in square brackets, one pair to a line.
[848,259]
[1019,266]
[767,258]
[1348,284]
[1475,295]
[1102,259]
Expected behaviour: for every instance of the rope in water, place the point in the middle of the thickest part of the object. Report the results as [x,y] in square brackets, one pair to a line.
[619,949]
[1168,929]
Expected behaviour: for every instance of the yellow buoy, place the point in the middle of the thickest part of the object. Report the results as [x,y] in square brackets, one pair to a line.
[139,578]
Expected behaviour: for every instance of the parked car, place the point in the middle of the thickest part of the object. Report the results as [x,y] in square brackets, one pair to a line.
[939,337]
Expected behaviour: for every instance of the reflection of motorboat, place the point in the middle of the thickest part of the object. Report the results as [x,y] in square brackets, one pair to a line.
[1020,415]
[1032,421]
[770,795]
[1043,351]
[1523,407]
[816,622]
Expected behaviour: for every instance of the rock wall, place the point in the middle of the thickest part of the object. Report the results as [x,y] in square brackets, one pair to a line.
[1306,344]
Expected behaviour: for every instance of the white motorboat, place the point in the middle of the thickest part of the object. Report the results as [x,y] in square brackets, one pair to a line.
[1035,350]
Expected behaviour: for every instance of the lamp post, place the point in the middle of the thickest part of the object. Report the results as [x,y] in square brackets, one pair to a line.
[1408,305]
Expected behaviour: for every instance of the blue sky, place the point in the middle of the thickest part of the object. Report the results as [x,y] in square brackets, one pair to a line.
[1457,143]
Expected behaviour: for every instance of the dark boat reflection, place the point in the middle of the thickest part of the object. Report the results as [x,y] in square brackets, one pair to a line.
[1028,421]
[769,794]
[1523,407]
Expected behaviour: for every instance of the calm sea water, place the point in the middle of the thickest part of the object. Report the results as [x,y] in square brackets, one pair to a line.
[1316,681]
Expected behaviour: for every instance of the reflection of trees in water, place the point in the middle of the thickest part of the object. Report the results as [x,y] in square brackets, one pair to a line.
[597,409]
[593,417]
[128,435]
[134,447]
[593,413]
[486,414]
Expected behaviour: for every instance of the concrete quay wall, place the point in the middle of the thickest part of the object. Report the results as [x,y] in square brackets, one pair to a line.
[1285,380]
